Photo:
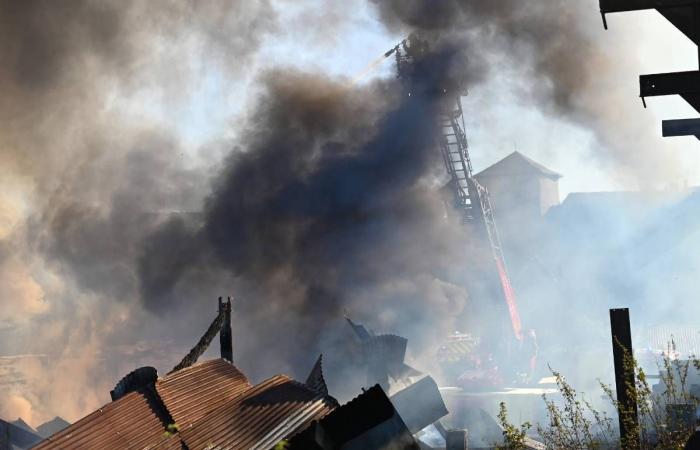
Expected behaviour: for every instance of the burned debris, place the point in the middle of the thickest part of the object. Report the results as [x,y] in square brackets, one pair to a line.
[18,435]
[212,404]
[368,421]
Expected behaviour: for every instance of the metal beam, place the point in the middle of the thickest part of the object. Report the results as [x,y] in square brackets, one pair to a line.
[675,83]
[682,127]
[225,339]
[683,14]
[614,6]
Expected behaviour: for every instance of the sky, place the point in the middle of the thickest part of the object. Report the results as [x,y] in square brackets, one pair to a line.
[145,127]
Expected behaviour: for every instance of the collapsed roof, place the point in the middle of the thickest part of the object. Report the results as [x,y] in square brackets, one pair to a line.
[212,405]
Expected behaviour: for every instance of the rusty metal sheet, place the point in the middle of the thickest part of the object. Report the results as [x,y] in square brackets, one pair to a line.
[128,423]
[267,413]
[191,393]
[213,405]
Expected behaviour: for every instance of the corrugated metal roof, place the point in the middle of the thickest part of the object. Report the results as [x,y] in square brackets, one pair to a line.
[128,423]
[213,405]
[191,393]
[265,414]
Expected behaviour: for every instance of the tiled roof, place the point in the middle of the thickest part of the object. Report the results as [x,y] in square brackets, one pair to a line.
[213,405]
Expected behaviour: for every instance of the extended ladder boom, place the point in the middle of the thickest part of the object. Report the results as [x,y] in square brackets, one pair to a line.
[473,199]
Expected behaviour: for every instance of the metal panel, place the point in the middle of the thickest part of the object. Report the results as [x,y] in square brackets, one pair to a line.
[682,127]
[259,418]
[669,83]
[123,424]
[613,6]
[456,440]
[191,393]
[212,403]
[368,421]
[686,19]
[225,338]
[683,14]
[425,393]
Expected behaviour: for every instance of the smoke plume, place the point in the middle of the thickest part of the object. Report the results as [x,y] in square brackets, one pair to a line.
[555,57]
[85,176]
[116,236]
[331,202]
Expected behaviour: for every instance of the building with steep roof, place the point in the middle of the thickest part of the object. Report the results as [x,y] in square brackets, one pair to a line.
[522,192]
[517,183]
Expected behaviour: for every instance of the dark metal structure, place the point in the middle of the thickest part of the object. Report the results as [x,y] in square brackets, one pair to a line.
[456,440]
[221,325]
[316,381]
[624,377]
[471,198]
[225,339]
[681,127]
[207,405]
[367,422]
[384,356]
[684,15]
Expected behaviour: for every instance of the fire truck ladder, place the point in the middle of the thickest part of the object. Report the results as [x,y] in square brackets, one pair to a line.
[473,199]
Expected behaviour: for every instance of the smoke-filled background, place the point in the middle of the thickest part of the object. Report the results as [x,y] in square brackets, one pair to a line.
[156,155]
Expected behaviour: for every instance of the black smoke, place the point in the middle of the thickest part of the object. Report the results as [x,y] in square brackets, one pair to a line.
[89,168]
[555,58]
[332,202]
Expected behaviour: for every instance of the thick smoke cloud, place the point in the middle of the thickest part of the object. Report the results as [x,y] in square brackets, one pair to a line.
[559,61]
[329,200]
[332,202]
[85,178]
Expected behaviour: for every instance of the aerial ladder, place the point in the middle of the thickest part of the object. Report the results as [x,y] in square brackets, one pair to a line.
[472,199]
[474,202]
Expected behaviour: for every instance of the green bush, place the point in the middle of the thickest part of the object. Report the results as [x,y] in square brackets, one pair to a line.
[666,415]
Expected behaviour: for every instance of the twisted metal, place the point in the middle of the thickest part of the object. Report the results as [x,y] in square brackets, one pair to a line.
[201,347]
